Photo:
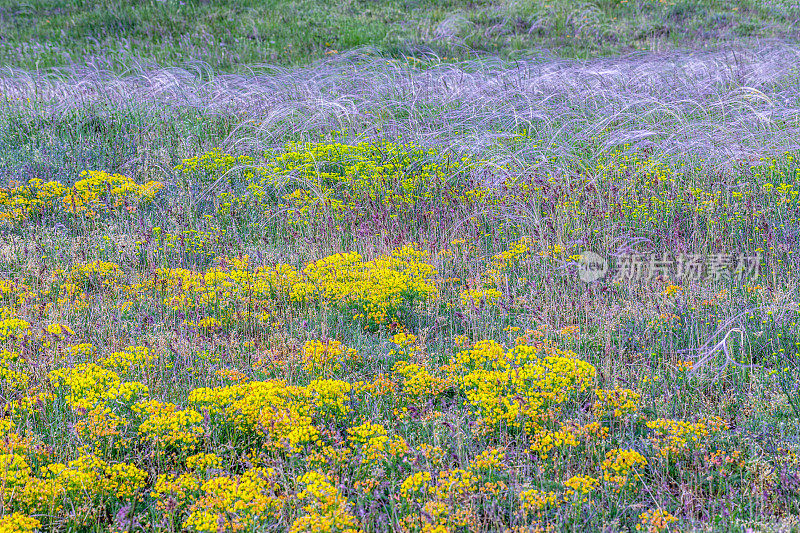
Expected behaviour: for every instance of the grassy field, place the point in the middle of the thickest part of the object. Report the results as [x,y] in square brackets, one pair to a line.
[434,281]
[234,35]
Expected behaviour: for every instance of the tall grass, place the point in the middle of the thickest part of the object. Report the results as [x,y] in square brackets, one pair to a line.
[719,105]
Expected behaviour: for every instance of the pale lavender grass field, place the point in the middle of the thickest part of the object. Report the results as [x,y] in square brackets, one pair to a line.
[720,105]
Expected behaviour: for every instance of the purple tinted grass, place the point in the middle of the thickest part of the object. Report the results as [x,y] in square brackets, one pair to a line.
[722,105]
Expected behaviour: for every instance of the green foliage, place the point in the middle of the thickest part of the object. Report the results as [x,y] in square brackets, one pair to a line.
[229,35]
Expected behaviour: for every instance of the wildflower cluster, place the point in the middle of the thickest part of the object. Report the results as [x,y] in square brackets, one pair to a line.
[322,184]
[617,403]
[376,292]
[675,438]
[619,464]
[514,389]
[95,194]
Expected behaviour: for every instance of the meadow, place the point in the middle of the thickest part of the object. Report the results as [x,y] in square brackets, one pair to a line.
[349,290]
[233,35]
